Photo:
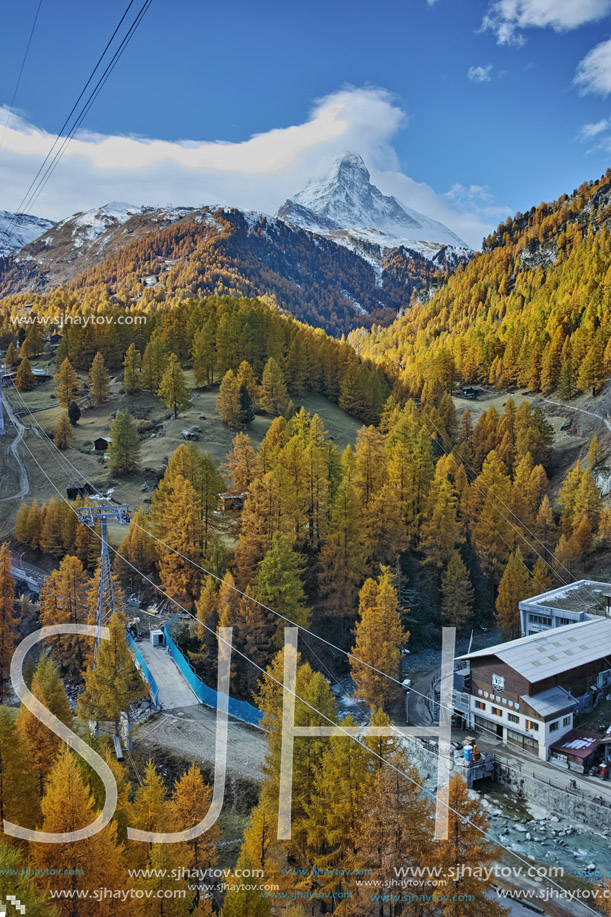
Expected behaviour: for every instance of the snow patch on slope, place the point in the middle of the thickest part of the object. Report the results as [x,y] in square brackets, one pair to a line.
[89,226]
[93,223]
[18,229]
[358,307]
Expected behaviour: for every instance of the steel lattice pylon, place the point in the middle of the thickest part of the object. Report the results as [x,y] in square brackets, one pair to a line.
[89,515]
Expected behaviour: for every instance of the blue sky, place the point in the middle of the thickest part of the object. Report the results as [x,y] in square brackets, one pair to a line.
[466,110]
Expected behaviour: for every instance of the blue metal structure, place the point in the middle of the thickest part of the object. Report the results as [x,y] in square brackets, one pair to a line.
[240,709]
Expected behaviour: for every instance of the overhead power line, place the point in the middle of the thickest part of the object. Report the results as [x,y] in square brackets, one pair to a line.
[70,126]
[430,794]
[18,81]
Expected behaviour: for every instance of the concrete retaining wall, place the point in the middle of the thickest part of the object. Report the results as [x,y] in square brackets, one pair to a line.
[578,806]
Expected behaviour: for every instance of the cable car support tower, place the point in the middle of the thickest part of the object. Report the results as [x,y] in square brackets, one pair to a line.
[89,516]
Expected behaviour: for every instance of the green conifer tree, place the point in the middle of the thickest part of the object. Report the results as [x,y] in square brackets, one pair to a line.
[124,448]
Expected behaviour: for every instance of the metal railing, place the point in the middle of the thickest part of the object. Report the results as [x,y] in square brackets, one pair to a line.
[144,669]
[239,709]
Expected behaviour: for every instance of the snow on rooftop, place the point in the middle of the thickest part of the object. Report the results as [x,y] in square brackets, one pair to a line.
[581,596]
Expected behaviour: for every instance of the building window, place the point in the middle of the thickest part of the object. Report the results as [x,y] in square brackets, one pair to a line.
[540,620]
[566,721]
[525,742]
[554,726]
[513,718]
[496,711]
[479,705]
[530,724]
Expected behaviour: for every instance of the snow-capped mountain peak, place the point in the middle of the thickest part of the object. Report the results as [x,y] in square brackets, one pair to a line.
[17,229]
[346,200]
[97,221]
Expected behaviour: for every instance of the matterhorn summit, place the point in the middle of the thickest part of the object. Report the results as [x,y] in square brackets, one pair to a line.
[346,200]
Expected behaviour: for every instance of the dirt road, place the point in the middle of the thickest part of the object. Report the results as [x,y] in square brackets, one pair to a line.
[24,485]
[191,731]
[572,407]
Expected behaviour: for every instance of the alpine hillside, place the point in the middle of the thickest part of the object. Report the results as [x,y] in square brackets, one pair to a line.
[330,276]
[533,309]
[17,229]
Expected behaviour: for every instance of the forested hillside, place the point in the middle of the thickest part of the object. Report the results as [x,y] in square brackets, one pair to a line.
[533,309]
[218,251]
[211,336]
[431,519]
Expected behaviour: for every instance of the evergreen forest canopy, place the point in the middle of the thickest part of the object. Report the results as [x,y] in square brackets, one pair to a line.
[533,309]
[211,336]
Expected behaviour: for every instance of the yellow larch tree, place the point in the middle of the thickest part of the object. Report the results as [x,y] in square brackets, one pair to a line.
[64,433]
[241,463]
[173,389]
[183,534]
[189,804]
[132,364]
[64,600]
[395,830]
[68,805]
[19,785]
[456,593]
[379,637]
[43,744]
[25,379]
[466,846]
[98,380]
[114,683]
[67,387]
[515,586]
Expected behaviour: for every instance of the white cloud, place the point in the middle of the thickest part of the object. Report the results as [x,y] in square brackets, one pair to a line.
[472,211]
[589,131]
[479,74]
[594,71]
[506,17]
[258,173]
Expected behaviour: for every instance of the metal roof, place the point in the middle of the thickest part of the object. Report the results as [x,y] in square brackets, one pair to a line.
[579,743]
[553,651]
[552,702]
